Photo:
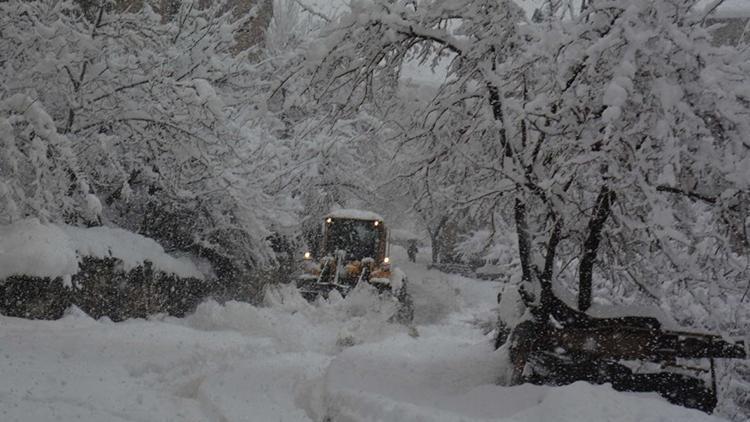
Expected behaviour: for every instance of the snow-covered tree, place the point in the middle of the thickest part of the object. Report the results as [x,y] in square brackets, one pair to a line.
[39,174]
[159,115]
[639,116]
[613,137]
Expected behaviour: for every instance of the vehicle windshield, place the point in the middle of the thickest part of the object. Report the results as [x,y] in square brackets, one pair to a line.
[359,238]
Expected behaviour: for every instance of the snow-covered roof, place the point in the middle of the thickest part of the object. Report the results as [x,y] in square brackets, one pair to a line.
[28,247]
[353,214]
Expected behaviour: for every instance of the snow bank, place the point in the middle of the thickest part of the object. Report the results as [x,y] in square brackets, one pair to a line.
[327,326]
[78,369]
[583,402]
[32,248]
[132,249]
[28,247]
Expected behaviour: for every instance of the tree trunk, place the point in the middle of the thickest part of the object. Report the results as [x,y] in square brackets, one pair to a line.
[547,299]
[524,249]
[435,247]
[437,244]
[591,246]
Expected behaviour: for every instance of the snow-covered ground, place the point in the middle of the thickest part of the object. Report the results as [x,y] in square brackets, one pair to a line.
[292,361]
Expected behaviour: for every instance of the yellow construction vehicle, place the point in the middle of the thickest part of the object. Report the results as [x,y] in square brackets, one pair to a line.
[354,249]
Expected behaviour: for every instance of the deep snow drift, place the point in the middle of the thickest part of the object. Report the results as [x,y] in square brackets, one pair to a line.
[293,361]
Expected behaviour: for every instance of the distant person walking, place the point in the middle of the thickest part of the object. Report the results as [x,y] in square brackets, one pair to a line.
[412,250]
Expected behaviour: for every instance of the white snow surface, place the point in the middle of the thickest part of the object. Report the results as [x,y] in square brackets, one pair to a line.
[29,247]
[354,214]
[293,361]
[35,249]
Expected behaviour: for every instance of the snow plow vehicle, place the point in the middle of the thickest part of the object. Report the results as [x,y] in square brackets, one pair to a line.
[354,249]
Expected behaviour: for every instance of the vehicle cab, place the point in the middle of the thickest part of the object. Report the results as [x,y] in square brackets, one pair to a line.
[354,246]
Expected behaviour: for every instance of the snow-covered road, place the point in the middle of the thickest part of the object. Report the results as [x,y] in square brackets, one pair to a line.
[292,361]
